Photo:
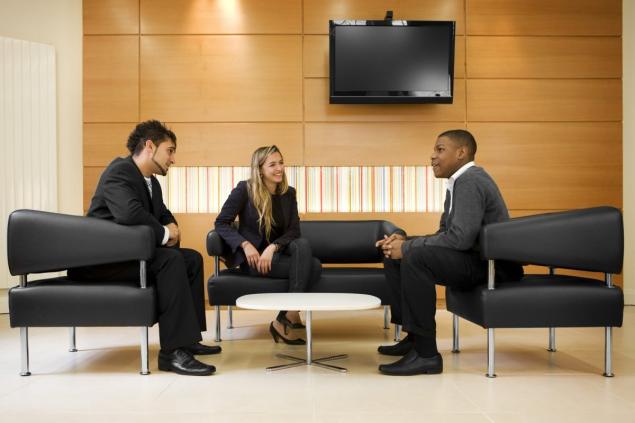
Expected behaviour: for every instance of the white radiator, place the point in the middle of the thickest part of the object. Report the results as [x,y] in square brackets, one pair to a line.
[28,134]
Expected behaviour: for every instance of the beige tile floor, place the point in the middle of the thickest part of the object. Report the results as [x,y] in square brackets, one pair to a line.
[100,382]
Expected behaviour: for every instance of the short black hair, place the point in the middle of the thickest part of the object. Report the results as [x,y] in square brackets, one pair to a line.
[152,130]
[463,138]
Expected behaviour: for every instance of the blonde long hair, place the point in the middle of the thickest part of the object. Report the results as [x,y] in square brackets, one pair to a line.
[260,195]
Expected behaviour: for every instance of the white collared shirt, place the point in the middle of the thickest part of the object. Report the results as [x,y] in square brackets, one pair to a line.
[452,179]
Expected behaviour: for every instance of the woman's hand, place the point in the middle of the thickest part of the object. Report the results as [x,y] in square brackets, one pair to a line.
[251,253]
[264,263]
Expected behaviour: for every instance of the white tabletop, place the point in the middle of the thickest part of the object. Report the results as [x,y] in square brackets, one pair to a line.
[308,301]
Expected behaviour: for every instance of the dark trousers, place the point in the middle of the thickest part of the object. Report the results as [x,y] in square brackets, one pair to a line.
[177,274]
[412,282]
[295,262]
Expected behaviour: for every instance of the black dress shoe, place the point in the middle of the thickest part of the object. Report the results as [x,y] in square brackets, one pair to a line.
[402,347]
[276,336]
[181,362]
[412,364]
[200,349]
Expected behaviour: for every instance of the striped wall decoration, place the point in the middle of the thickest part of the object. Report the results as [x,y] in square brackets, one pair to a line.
[320,189]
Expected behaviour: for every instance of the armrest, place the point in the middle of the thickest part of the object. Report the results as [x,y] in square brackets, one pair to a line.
[587,239]
[46,242]
[215,244]
[389,228]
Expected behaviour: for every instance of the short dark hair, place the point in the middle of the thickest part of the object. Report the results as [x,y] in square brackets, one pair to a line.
[152,130]
[463,138]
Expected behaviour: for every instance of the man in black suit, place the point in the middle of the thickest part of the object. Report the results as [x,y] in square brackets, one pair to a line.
[129,194]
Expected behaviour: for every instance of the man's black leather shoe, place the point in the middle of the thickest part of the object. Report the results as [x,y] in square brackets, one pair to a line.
[402,347]
[412,364]
[181,362]
[200,349]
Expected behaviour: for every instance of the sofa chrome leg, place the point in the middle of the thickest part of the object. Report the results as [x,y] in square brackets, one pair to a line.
[386,320]
[490,353]
[72,340]
[24,341]
[455,334]
[397,333]
[552,340]
[217,335]
[230,318]
[144,351]
[608,351]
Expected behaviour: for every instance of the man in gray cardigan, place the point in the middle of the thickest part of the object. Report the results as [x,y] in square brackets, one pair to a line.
[448,257]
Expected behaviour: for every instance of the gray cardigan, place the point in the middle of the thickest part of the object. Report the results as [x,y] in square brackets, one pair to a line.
[477,201]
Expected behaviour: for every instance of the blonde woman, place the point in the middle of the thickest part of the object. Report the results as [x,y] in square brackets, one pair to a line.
[267,241]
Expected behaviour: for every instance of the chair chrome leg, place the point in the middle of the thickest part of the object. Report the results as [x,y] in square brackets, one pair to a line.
[24,341]
[608,352]
[217,335]
[397,333]
[455,334]
[490,353]
[72,347]
[386,320]
[230,318]
[144,351]
[552,340]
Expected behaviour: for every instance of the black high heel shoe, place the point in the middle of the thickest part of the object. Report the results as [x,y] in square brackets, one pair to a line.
[284,321]
[276,336]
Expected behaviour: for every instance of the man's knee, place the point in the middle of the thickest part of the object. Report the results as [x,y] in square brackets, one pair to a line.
[192,256]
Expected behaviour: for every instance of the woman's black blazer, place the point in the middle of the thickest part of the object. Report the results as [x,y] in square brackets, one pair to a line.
[239,204]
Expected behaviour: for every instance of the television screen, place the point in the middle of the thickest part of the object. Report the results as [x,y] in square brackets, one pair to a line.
[391,61]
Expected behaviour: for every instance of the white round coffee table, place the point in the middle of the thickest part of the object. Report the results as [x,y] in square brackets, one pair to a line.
[308,302]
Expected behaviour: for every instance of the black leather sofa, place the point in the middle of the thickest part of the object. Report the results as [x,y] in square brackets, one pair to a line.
[39,242]
[333,242]
[587,239]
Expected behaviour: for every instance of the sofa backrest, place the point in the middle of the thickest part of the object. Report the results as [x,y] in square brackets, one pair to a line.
[346,241]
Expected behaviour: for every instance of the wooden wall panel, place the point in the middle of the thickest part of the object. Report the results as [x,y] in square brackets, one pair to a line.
[240,78]
[316,56]
[111,16]
[231,144]
[544,17]
[111,78]
[91,177]
[373,144]
[221,17]
[525,100]
[553,166]
[318,109]
[105,141]
[544,57]
[317,13]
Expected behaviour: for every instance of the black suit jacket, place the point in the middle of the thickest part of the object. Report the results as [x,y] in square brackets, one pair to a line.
[239,204]
[123,197]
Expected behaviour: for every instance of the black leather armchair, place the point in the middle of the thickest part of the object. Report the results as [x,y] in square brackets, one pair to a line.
[588,239]
[332,241]
[40,242]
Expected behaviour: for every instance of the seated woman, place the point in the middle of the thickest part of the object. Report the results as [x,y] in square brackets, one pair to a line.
[267,242]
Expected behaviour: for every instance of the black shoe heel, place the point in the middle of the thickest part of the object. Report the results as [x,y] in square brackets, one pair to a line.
[284,321]
[277,336]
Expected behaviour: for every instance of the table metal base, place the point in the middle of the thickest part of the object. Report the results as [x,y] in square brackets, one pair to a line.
[315,362]
[309,360]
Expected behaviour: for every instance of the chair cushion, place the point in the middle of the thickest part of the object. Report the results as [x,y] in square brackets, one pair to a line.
[64,302]
[231,284]
[540,301]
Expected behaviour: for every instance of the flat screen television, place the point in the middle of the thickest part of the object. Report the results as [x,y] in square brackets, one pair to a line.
[391,61]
